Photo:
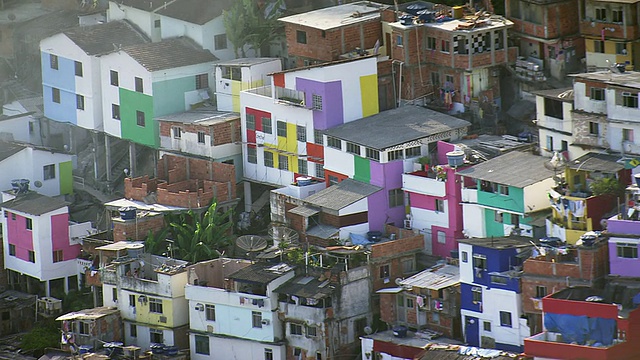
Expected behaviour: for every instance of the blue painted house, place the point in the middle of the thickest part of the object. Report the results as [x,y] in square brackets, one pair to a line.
[490,292]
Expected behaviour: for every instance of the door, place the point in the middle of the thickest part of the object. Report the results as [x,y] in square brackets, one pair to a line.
[471,331]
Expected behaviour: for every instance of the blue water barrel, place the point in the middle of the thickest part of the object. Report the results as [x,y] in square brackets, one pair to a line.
[455,158]
[400,331]
[127,213]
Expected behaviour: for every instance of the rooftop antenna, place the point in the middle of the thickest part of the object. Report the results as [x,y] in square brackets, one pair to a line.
[251,244]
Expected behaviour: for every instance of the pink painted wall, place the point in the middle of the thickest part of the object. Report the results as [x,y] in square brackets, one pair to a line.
[443,149]
[19,235]
[60,237]
[422,201]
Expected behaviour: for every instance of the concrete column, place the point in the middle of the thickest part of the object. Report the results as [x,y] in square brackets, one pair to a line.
[47,288]
[492,46]
[94,139]
[66,285]
[468,39]
[247,197]
[107,155]
[132,158]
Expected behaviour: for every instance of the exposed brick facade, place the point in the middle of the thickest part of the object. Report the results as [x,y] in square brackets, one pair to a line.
[137,229]
[222,133]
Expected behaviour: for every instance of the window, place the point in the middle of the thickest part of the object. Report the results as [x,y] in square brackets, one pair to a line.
[435,318]
[58,256]
[373,154]
[496,279]
[139,85]
[412,152]
[133,330]
[53,61]
[465,256]
[597,94]
[177,132]
[140,120]
[78,68]
[317,137]
[156,336]
[442,237]
[396,198]
[446,46]
[155,305]
[594,128]
[320,171]
[283,162]
[384,271]
[157,23]
[598,46]
[353,148]
[630,100]
[601,14]
[113,76]
[549,143]
[334,143]
[448,79]
[79,102]
[476,294]
[312,331]
[487,326]
[439,205]
[625,250]
[498,217]
[541,291]
[202,81]
[627,134]
[83,328]
[268,354]
[333,180]
[251,122]
[210,312]
[317,102]
[295,329]
[301,133]
[202,344]
[431,43]
[505,318]
[503,190]
[616,16]
[297,353]
[409,303]
[399,40]
[394,155]
[301,37]
[302,167]
[114,294]
[220,41]
[480,261]
[256,317]
[564,145]
[408,266]
[281,128]
[115,111]
[252,155]
[621,48]
[29,224]
[12,250]
[55,95]
[132,300]
[49,171]
[200,137]
[267,125]
[268,159]
[553,108]
[515,220]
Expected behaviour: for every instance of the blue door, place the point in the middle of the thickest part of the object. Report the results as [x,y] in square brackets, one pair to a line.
[472,331]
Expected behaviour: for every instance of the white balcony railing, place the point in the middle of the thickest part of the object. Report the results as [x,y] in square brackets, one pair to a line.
[470,195]
[423,185]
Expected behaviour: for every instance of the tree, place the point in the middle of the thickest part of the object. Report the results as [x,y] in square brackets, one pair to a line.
[235,24]
[247,23]
[43,335]
[193,237]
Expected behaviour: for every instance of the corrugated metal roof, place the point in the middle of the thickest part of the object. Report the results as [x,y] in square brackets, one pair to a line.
[89,314]
[304,210]
[337,16]
[106,38]
[597,162]
[342,194]
[515,169]
[436,278]
[306,287]
[169,54]
[34,204]
[262,273]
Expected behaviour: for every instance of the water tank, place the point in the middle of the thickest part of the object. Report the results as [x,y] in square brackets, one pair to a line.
[127,213]
[406,19]
[457,12]
[303,180]
[20,186]
[135,250]
[400,331]
[637,177]
[374,236]
[427,15]
[455,158]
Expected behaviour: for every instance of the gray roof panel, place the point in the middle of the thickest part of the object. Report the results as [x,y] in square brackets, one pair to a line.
[105,38]
[517,169]
[341,195]
[34,204]
[169,54]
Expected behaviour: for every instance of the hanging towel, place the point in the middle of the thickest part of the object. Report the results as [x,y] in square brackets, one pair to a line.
[420,301]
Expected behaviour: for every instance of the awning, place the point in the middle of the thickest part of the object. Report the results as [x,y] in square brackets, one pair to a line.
[304,210]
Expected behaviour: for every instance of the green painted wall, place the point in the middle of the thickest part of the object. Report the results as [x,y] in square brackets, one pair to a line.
[514,201]
[168,95]
[66,177]
[494,228]
[362,169]
[130,102]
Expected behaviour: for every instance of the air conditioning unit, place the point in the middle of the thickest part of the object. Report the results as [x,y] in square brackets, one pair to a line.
[210,328]
[265,321]
[163,319]
[199,307]
[408,224]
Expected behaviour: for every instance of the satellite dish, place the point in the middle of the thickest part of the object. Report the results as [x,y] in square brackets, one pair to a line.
[368,330]
[37,183]
[251,243]
[283,234]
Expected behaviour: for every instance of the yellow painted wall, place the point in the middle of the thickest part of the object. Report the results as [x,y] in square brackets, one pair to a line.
[237,86]
[610,49]
[143,315]
[369,93]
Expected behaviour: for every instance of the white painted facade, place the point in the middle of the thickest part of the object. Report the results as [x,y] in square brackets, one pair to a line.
[29,164]
[88,85]
[556,129]
[17,125]
[474,220]
[188,143]
[466,267]
[339,161]
[252,73]
[582,99]
[425,219]
[532,199]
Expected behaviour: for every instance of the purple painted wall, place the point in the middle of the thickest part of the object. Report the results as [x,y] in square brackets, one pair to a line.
[19,235]
[60,237]
[622,266]
[625,227]
[332,113]
[388,176]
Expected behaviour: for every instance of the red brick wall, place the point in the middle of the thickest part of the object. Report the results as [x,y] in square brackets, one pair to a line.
[388,308]
[391,248]
[137,229]
[223,133]
[562,20]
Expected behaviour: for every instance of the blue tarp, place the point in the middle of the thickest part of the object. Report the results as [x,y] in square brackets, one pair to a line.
[359,239]
[581,329]
[636,299]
